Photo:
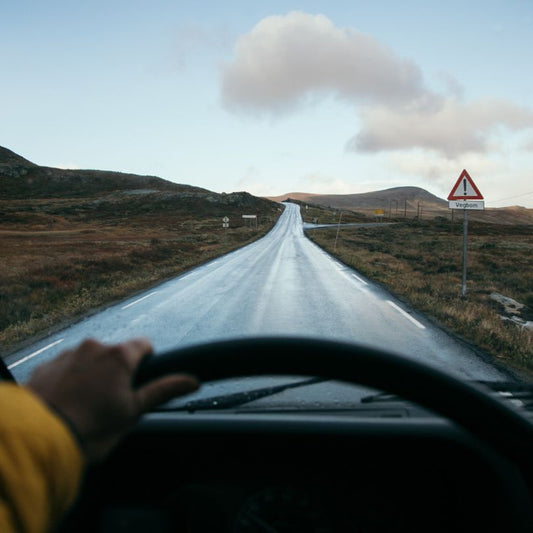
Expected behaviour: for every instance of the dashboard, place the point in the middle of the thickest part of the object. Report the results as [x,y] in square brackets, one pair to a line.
[235,472]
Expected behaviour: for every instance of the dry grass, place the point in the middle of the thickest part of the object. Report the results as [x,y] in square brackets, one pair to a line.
[421,263]
[60,262]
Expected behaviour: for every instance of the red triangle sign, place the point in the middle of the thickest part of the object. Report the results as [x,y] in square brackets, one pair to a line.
[465,189]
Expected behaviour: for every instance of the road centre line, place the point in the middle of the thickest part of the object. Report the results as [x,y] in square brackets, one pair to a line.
[406,315]
[24,359]
[139,300]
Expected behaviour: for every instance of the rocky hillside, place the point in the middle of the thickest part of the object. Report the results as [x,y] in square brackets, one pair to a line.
[20,178]
[100,192]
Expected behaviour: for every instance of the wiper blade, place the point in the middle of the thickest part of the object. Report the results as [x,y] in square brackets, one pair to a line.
[381,397]
[521,394]
[228,401]
[512,390]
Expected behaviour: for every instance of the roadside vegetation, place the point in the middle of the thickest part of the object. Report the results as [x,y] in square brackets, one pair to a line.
[62,258]
[421,262]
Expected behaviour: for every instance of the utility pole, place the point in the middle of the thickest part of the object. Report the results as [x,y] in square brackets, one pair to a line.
[338,230]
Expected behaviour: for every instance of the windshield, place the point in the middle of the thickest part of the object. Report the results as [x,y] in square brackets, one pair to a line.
[194,174]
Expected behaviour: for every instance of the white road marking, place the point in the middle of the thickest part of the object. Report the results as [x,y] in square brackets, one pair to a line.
[24,359]
[139,300]
[406,315]
[359,279]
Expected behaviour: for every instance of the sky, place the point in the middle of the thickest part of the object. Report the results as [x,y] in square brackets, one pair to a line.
[275,97]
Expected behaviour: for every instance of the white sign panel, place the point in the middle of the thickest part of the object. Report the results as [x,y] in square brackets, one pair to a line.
[466,204]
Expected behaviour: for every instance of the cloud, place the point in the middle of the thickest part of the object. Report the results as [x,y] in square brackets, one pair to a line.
[491,174]
[287,60]
[451,129]
[443,171]
[322,184]
[254,182]
[528,146]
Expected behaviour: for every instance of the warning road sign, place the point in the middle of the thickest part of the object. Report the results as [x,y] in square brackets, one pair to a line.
[465,189]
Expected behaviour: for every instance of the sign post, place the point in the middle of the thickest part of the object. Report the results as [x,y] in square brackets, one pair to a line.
[251,218]
[225,225]
[465,195]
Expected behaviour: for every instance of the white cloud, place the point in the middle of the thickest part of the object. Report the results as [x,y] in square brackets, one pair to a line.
[451,129]
[528,145]
[496,177]
[318,183]
[253,182]
[286,60]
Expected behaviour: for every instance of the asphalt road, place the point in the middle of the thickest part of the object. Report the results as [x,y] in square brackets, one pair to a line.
[282,284]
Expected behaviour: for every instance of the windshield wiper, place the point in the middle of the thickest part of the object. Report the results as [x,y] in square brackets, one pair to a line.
[228,401]
[381,397]
[519,393]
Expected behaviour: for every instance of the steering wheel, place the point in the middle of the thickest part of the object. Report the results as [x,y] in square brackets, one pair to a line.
[492,421]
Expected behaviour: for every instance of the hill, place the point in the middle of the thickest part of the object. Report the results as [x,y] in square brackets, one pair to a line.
[407,202]
[20,178]
[102,193]
[75,240]
[370,200]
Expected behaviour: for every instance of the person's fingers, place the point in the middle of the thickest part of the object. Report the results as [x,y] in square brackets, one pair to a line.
[130,353]
[164,389]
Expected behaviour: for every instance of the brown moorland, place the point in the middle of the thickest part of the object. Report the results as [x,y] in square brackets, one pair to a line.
[73,241]
[420,262]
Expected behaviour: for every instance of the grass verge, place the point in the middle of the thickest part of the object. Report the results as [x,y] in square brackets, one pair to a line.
[60,262]
[421,263]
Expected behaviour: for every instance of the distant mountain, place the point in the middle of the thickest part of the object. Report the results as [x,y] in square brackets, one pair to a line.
[370,200]
[410,201]
[20,178]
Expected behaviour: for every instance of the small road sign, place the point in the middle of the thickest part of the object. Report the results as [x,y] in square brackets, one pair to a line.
[464,189]
[465,195]
[467,204]
[225,220]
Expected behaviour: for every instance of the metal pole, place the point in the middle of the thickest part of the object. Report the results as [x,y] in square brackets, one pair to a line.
[465,234]
[337,236]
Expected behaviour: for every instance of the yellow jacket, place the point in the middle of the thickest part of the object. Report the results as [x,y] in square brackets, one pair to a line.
[41,463]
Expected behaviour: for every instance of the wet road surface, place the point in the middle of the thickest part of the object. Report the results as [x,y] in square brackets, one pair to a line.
[282,284]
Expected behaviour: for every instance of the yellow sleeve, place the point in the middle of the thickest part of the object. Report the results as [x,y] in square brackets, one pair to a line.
[41,463]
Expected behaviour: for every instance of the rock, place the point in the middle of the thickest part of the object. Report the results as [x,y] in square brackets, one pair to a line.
[512,307]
